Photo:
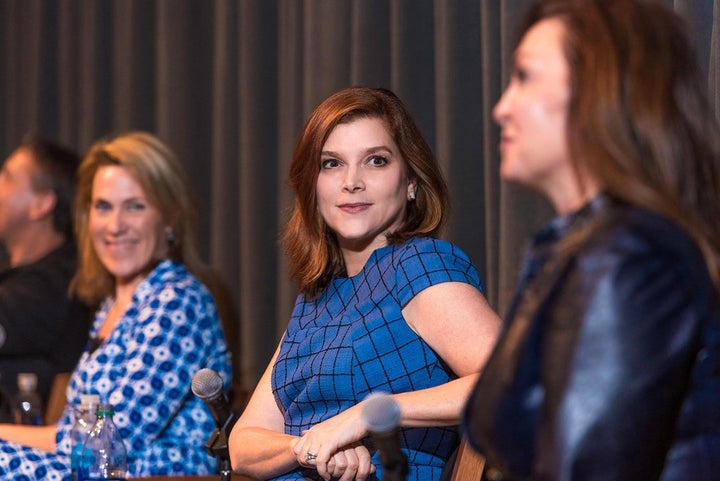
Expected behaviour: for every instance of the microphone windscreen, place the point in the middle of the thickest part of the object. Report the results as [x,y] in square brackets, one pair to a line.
[206,383]
[381,413]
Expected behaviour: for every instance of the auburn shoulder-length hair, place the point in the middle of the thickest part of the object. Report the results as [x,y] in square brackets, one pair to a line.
[164,181]
[639,119]
[312,250]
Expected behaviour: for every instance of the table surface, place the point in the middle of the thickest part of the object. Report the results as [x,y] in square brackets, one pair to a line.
[215,477]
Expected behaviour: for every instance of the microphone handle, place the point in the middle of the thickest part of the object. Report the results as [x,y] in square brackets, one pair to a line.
[393,460]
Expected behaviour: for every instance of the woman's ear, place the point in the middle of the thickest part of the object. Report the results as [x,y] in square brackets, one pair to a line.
[411,191]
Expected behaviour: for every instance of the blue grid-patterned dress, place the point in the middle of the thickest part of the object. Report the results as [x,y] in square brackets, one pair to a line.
[353,340]
[145,369]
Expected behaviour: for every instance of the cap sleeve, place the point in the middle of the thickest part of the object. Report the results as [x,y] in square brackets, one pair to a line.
[426,262]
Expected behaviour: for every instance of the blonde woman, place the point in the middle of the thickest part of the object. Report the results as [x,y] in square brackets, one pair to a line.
[156,324]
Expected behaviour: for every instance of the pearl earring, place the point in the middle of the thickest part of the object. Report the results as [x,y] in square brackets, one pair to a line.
[411,195]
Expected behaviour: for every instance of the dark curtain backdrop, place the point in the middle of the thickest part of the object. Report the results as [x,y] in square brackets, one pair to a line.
[228,84]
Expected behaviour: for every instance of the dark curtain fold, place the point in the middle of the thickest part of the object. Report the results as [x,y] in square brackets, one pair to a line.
[228,85]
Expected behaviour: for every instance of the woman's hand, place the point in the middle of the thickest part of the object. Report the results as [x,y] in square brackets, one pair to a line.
[351,463]
[319,444]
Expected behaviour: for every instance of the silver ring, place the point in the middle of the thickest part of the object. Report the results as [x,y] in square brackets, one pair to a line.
[310,456]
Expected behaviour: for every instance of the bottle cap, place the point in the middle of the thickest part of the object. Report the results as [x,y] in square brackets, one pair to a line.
[105,410]
[27,381]
[90,400]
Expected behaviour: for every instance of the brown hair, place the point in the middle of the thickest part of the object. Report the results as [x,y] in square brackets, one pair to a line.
[164,181]
[312,250]
[639,118]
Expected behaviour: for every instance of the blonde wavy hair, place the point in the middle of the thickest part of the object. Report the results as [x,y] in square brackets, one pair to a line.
[165,183]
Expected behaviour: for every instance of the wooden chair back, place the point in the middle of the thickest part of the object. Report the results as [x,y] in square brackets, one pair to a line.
[56,399]
[469,464]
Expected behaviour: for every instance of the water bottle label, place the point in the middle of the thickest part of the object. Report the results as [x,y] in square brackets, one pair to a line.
[75,456]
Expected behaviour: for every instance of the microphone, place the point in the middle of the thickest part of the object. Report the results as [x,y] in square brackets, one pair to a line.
[381,414]
[208,386]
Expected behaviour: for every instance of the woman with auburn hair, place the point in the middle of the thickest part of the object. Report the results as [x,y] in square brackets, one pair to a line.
[155,327]
[609,364]
[383,305]
[313,252]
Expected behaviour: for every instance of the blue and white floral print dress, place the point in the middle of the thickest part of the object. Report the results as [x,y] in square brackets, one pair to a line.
[144,369]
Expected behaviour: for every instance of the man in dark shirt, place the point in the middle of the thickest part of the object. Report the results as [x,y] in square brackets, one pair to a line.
[42,330]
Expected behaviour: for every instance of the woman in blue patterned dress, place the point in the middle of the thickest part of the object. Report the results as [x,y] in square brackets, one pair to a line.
[383,305]
[156,325]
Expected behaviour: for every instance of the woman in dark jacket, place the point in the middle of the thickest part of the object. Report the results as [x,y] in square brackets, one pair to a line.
[609,364]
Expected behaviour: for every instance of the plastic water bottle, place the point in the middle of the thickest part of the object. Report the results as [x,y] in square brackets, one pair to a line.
[104,455]
[28,409]
[84,421]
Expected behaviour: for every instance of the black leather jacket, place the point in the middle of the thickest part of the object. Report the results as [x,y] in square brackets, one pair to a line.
[608,367]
